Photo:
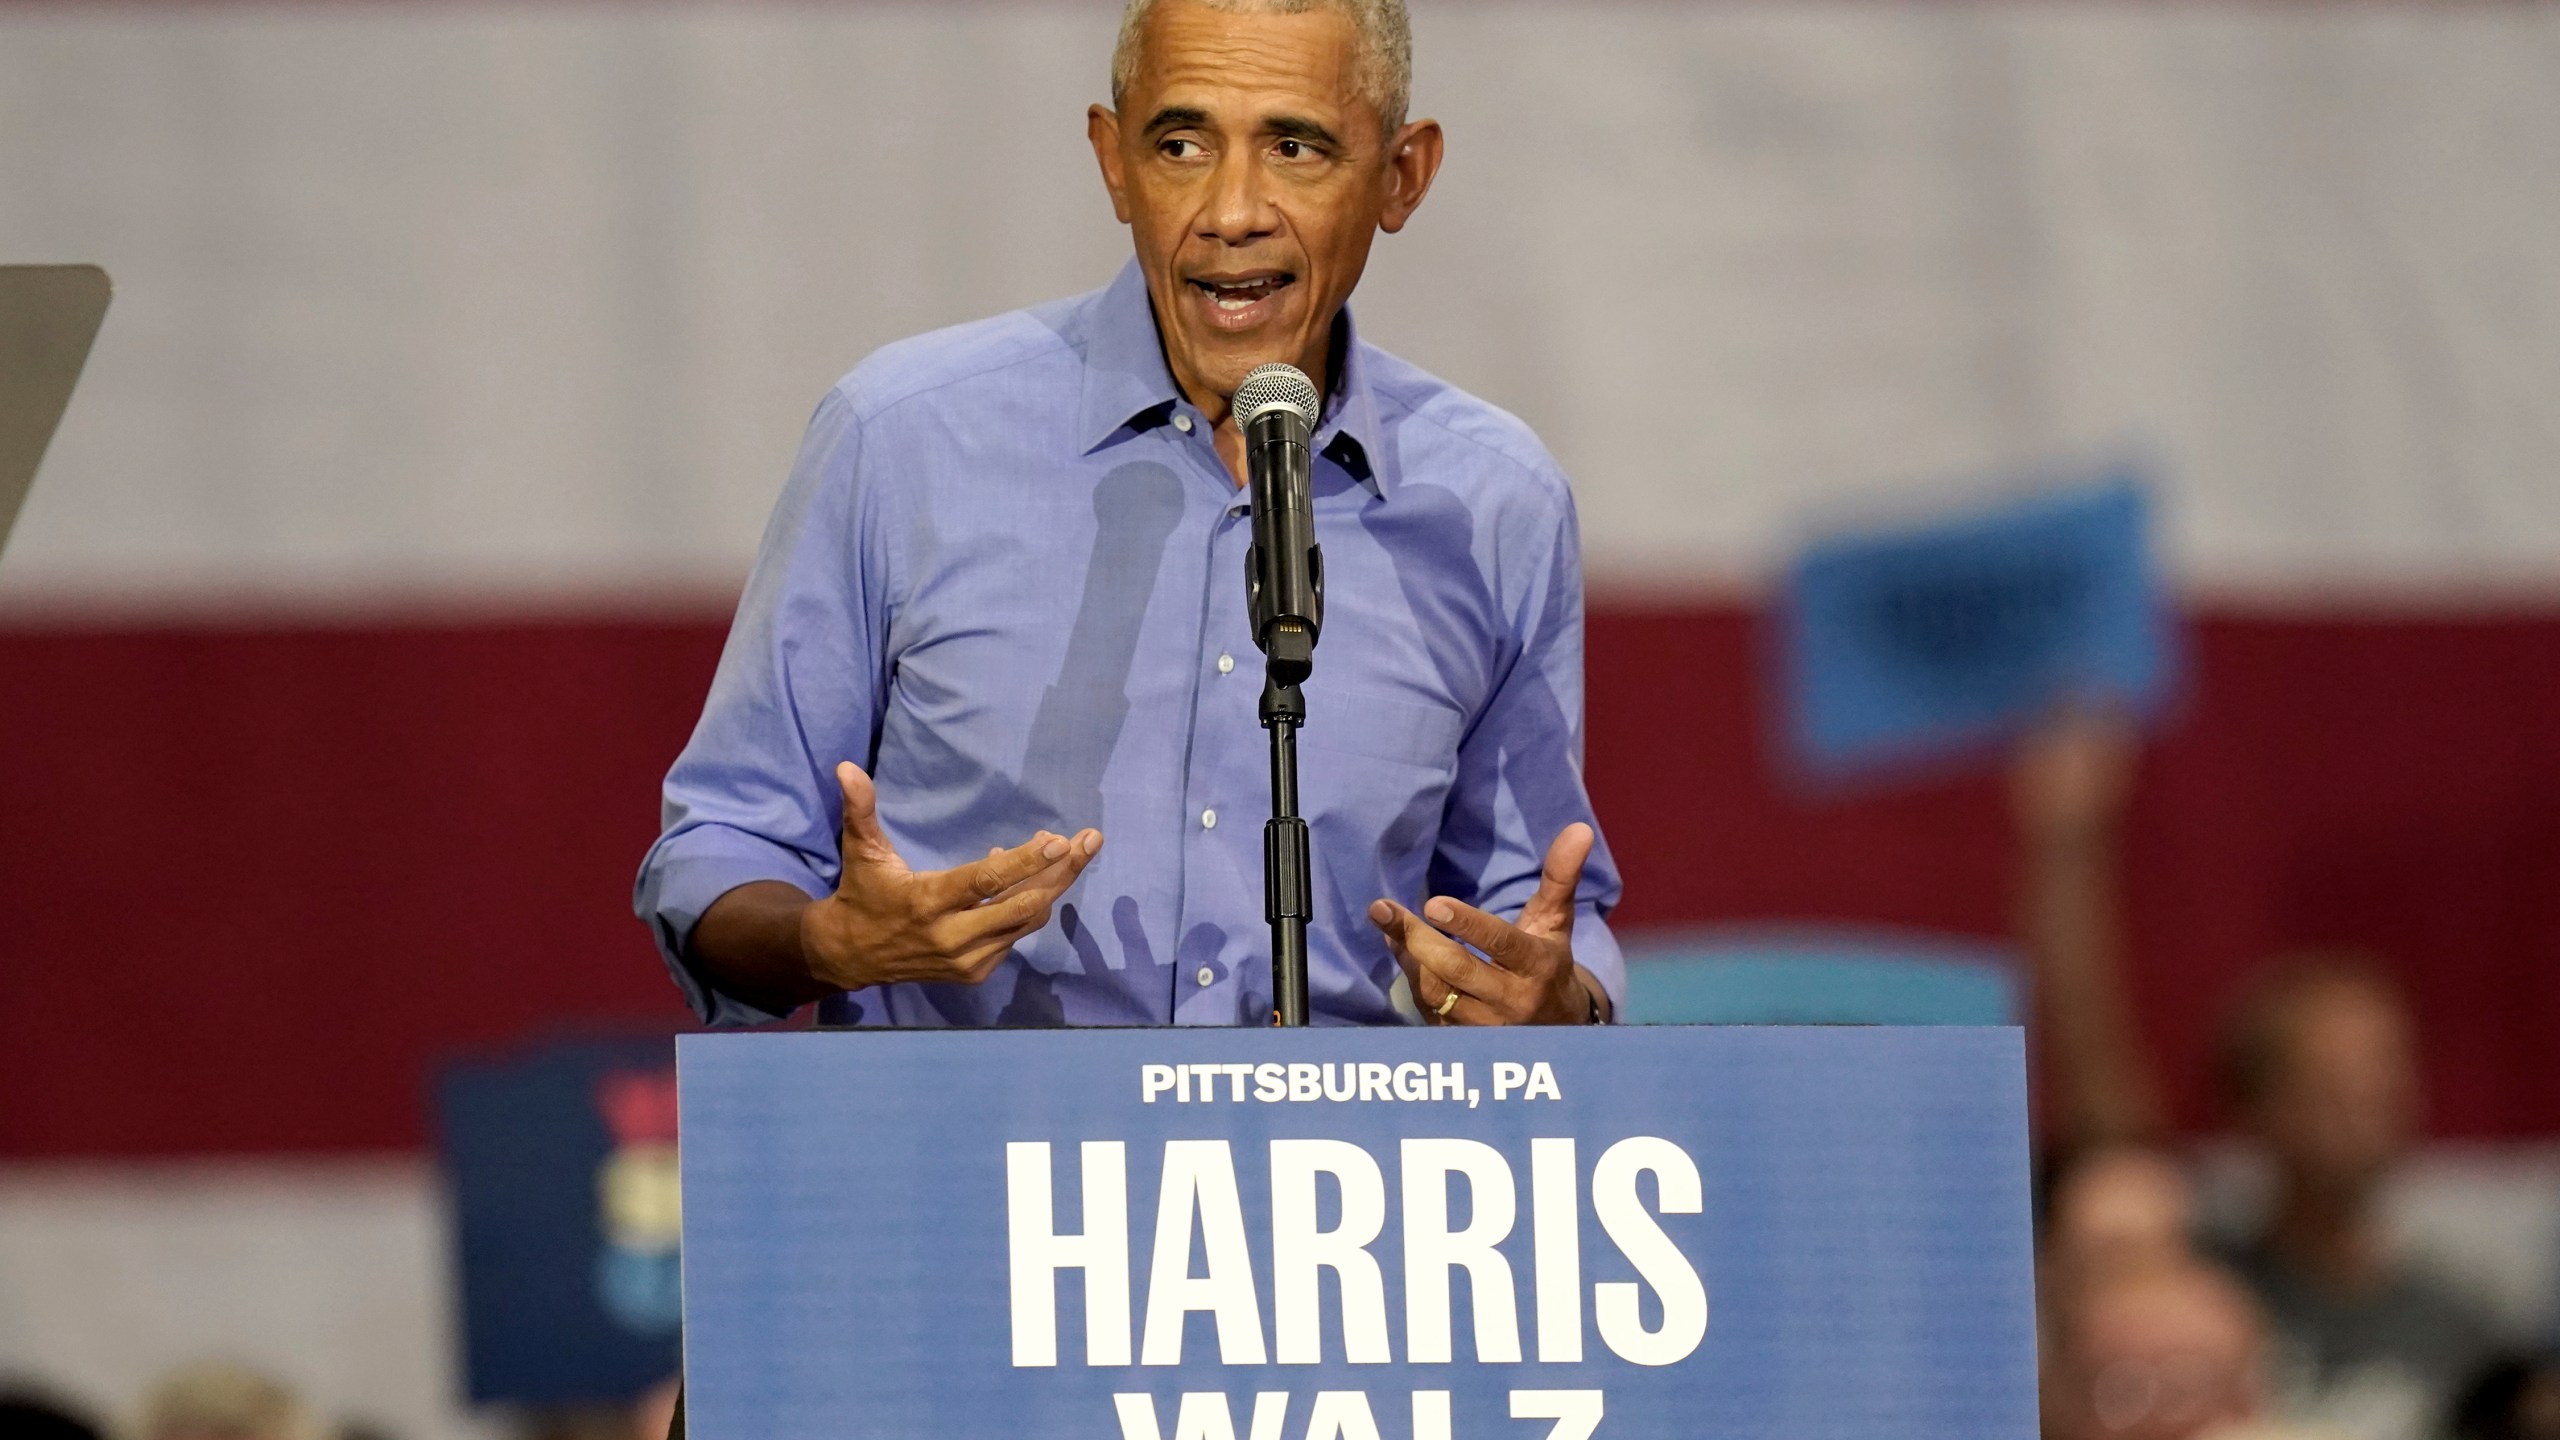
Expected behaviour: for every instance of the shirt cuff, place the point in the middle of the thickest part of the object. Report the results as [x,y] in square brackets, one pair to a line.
[1596,950]
[684,874]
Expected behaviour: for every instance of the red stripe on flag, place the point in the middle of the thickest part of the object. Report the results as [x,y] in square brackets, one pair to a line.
[254,881]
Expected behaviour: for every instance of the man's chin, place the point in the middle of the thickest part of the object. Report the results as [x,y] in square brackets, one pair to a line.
[1222,361]
[1228,353]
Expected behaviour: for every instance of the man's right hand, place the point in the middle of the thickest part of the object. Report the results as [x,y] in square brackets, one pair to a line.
[887,923]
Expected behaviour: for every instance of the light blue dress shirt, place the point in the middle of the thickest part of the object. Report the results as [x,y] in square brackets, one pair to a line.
[1008,578]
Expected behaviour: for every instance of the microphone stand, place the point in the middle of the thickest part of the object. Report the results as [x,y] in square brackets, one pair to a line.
[1287,900]
[1284,585]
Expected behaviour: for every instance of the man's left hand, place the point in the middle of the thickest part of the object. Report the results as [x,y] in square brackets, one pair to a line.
[1533,979]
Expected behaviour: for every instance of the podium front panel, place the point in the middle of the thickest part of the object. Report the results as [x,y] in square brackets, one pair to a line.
[1434,1234]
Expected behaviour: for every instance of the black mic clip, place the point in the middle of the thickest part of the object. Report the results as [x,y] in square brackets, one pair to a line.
[1288,642]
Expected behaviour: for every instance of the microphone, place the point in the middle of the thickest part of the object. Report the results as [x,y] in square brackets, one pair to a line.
[1276,409]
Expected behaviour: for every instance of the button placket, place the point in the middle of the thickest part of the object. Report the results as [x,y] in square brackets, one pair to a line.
[1206,776]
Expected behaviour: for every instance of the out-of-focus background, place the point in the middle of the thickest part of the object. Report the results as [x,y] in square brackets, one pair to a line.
[379,567]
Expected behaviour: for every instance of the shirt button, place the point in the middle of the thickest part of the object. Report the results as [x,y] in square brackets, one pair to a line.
[1208,819]
[1207,976]
[1182,423]
[1226,663]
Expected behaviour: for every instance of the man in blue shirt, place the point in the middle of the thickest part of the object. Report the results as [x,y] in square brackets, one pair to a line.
[1004,592]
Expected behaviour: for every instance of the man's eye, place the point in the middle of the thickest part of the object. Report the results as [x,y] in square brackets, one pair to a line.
[1293,149]
[1180,149]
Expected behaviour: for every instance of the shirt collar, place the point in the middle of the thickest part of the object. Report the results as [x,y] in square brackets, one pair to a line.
[1125,378]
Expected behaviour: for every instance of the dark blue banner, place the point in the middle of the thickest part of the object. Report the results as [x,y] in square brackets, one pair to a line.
[563,1167]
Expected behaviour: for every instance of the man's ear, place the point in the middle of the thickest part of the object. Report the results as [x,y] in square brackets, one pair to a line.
[1102,127]
[1413,160]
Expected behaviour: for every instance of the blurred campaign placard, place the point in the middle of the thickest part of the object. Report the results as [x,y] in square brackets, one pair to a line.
[1918,641]
[1409,1234]
[563,1166]
[49,314]
[1815,975]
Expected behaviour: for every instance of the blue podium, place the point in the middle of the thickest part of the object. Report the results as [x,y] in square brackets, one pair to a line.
[1358,1234]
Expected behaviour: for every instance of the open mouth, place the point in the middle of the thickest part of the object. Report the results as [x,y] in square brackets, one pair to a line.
[1242,300]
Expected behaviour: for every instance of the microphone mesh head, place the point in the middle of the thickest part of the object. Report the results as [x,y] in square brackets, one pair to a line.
[1276,387]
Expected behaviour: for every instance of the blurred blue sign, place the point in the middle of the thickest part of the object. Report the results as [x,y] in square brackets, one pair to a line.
[1815,975]
[1400,1234]
[1920,641]
[563,1167]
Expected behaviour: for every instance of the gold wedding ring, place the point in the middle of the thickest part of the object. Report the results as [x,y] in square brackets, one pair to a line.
[1447,1003]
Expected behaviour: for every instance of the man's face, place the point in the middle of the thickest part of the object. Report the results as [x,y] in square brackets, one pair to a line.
[2344,1102]
[1253,177]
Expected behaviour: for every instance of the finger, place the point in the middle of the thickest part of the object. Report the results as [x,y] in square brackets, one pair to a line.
[1440,965]
[1550,911]
[1390,918]
[1057,874]
[1021,914]
[1025,908]
[966,885]
[863,837]
[1432,962]
[1020,911]
[1496,937]
[1471,1011]
[1402,928]
[1081,849]
[1014,917]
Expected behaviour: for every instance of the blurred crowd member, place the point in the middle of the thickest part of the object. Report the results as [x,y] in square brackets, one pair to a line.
[2516,1399]
[26,1415]
[2322,1068]
[2160,1348]
[225,1402]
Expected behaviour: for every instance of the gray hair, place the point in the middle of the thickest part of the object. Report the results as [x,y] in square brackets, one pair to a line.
[1385,68]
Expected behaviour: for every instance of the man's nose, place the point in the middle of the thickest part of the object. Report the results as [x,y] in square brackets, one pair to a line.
[1239,211]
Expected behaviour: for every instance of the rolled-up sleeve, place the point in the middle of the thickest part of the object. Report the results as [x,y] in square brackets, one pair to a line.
[1520,778]
[800,687]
